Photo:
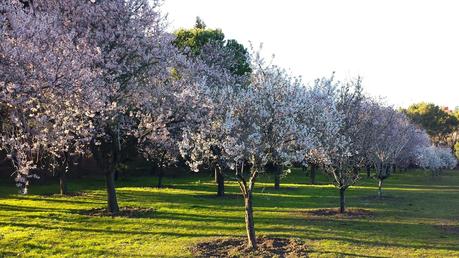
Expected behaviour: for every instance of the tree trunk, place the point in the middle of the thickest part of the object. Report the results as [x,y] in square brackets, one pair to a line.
[116,175]
[380,183]
[368,167]
[111,192]
[313,174]
[63,183]
[160,177]
[152,170]
[78,169]
[249,223]
[305,170]
[220,178]
[342,204]
[277,174]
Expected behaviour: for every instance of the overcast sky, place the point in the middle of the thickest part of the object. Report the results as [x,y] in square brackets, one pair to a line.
[406,51]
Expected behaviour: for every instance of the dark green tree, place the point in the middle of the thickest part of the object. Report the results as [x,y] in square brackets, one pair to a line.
[199,23]
[194,41]
[438,123]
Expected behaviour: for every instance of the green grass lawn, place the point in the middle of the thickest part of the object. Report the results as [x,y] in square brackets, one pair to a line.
[405,224]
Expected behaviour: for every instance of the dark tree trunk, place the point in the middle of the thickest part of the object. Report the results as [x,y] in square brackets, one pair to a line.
[249,223]
[116,175]
[152,170]
[160,177]
[313,174]
[63,190]
[380,183]
[111,192]
[368,167]
[220,178]
[305,170]
[277,174]
[247,193]
[106,155]
[342,202]
[63,183]
[276,181]
[78,169]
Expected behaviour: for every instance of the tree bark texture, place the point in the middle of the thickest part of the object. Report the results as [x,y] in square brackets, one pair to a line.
[313,174]
[342,201]
[160,177]
[63,183]
[112,201]
[220,178]
[249,223]
[380,183]
[277,174]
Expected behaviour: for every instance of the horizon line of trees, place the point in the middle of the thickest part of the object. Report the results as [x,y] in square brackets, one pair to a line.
[441,125]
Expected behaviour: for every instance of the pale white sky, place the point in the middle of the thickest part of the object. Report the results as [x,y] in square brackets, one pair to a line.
[406,51]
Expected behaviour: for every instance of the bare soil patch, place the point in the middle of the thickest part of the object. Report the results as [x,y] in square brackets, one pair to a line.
[237,247]
[350,213]
[128,212]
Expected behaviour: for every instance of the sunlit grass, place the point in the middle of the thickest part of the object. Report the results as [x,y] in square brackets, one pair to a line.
[405,223]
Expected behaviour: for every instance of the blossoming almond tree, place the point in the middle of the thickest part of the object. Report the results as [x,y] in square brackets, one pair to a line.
[372,109]
[343,152]
[408,156]
[185,96]
[447,158]
[322,116]
[20,137]
[393,132]
[179,100]
[124,38]
[43,81]
[260,126]
[129,35]
[436,158]
[202,142]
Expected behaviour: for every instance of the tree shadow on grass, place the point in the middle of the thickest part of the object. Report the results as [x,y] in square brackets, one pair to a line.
[395,230]
[4,253]
[313,230]
[108,231]
[353,232]
[261,200]
[16,208]
[54,199]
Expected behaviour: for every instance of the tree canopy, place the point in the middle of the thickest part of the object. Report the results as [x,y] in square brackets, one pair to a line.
[194,40]
[432,118]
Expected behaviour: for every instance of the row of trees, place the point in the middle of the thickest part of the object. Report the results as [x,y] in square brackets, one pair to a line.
[97,77]
[441,124]
[436,159]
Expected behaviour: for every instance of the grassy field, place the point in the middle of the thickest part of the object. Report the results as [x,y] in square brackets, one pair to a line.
[405,224]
